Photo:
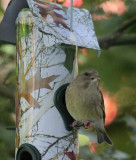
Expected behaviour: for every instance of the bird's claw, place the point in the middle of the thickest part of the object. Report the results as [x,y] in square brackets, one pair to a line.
[86,123]
[76,124]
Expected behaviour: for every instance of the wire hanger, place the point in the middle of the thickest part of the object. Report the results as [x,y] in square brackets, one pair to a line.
[71,16]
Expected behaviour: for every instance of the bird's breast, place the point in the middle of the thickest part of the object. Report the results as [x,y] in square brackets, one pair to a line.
[82,103]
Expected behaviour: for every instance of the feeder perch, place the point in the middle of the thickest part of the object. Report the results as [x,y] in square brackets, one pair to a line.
[46,64]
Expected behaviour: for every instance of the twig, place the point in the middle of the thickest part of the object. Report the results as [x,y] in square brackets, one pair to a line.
[126,25]
[117,38]
[56,142]
[109,41]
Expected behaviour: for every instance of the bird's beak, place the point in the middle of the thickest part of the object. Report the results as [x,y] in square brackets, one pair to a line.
[96,77]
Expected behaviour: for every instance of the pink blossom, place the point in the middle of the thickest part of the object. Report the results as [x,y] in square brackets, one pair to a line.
[84,51]
[76,3]
[110,107]
[93,147]
[100,17]
[114,7]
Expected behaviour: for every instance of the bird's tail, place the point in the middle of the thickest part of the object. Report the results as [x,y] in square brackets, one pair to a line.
[102,136]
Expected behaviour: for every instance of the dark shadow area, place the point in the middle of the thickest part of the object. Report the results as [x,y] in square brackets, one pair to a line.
[26,156]
[28,152]
[59,101]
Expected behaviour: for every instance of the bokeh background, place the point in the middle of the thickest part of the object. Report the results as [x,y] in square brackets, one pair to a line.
[117,68]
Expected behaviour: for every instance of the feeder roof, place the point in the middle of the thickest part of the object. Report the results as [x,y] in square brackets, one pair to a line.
[54,20]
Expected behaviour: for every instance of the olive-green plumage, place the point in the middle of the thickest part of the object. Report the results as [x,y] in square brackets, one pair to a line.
[84,102]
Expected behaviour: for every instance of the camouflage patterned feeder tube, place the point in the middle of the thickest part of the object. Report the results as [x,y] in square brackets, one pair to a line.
[41,70]
[46,61]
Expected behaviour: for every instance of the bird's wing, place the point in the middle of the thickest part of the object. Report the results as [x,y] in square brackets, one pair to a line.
[102,106]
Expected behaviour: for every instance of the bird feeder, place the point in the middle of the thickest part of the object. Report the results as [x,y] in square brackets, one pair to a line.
[47,46]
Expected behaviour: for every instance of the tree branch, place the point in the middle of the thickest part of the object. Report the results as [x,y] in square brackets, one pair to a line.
[125,39]
[126,25]
[117,38]
[109,41]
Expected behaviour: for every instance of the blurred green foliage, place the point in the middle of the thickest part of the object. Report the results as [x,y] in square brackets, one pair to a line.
[7,103]
[117,68]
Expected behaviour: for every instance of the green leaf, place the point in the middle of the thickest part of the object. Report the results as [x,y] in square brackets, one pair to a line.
[70,56]
[23,30]
[8,49]
[83,140]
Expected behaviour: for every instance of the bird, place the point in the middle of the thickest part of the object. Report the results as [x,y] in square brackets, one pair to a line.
[85,103]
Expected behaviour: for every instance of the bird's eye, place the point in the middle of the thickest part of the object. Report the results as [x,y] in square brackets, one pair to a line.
[86,74]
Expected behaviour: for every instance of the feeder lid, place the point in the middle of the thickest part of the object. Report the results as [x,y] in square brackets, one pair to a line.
[53,20]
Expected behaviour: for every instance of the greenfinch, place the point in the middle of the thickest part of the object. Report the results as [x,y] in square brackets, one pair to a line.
[84,102]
